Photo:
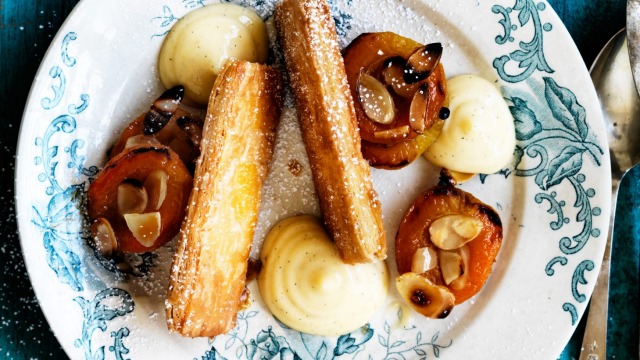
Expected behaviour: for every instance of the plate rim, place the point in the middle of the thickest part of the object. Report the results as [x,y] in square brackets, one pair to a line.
[22,218]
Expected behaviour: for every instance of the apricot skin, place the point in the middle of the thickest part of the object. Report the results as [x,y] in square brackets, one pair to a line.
[136,164]
[438,201]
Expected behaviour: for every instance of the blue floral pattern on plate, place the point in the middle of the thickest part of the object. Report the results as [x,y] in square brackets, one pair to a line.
[555,141]
[63,223]
[561,142]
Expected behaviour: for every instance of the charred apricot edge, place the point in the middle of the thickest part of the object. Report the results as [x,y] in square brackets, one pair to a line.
[438,201]
[136,164]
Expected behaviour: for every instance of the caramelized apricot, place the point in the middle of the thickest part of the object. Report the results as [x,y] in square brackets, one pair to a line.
[134,166]
[414,235]
[401,154]
[417,103]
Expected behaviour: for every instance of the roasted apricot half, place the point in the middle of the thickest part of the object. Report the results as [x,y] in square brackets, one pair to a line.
[138,201]
[451,238]
[399,88]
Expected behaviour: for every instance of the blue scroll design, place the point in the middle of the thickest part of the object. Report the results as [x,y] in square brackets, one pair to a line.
[67,59]
[58,88]
[77,109]
[98,312]
[554,138]
[62,220]
[530,55]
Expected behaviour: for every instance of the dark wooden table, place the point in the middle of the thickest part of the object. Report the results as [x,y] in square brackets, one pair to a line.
[28,26]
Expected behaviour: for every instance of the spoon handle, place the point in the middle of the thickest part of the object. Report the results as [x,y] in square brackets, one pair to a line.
[594,342]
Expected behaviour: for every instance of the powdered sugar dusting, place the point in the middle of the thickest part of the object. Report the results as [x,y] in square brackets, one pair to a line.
[286,194]
[426,22]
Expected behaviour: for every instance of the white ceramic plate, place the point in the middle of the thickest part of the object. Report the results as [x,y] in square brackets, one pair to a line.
[100,73]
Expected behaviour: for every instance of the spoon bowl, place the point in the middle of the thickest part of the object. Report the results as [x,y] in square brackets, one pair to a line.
[612,77]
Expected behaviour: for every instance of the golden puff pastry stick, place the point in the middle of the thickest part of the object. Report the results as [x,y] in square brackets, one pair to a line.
[349,204]
[209,268]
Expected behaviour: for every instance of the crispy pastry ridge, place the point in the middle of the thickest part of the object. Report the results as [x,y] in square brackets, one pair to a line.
[209,268]
[349,204]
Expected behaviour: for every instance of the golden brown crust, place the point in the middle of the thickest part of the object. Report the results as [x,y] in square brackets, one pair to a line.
[209,268]
[349,205]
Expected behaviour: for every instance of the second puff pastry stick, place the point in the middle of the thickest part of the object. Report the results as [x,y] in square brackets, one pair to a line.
[209,268]
[349,204]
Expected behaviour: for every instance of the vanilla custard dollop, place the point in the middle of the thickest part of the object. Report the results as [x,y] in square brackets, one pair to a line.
[308,287]
[479,135]
[198,45]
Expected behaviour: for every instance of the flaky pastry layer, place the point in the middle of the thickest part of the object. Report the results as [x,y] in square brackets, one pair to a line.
[209,268]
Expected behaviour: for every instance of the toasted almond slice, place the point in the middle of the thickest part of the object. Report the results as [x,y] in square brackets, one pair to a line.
[132,198]
[162,110]
[450,232]
[138,140]
[375,99]
[461,281]
[104,237]
[424,259]
[169,100]
[144,227]
[425,297]
[393,74]
[418,111]
[422,63]
[156,186]
[450,265]
[454,265]
[399,132]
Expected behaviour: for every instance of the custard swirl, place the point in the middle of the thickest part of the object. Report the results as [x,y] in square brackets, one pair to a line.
[308,287]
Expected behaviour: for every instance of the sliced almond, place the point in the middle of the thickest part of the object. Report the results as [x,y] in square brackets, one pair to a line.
[461,281]
[424,259]
[156,187]
[450,232]
[425,297]
[399,132]
[144,227]
[162,110]
[422,63]
[418,109]
[454,265]
[132,198]
[103,237]
[375,99]
[169,100]
[450,265]
[393,74]
[139,140]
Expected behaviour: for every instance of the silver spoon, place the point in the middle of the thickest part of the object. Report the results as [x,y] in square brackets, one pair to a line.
[611,75]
